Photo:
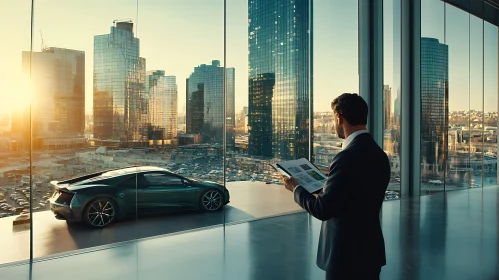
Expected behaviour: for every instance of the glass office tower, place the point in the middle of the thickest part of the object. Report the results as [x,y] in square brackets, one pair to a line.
[280,67]
[434,106]
[205,86]
[119,78]
[387,105]
[58,111]
[162,105]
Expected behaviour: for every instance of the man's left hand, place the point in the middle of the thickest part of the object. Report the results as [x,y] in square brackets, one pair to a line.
[289,182]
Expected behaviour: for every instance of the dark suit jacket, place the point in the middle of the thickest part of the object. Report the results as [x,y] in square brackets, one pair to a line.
[349,206]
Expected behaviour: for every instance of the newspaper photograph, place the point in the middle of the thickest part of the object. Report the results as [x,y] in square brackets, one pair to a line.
[307,175]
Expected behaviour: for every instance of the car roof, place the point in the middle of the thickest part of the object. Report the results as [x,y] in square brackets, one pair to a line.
[131,170]
[118,173]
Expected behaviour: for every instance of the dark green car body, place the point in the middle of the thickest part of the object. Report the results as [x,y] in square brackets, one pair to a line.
[131,191]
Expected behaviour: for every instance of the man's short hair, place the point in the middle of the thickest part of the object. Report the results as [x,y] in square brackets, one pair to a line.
[352,107]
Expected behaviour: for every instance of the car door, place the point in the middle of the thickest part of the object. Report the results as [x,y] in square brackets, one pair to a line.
[163,191]
[127,193]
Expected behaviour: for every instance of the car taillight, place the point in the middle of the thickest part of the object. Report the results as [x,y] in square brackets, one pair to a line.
[65,198]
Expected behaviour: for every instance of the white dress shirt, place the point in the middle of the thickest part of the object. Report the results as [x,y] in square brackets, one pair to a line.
[351,137]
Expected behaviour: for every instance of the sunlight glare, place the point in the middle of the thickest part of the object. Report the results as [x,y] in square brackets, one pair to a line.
[18,96]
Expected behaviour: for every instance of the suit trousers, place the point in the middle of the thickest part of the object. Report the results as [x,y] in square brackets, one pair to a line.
[359,273]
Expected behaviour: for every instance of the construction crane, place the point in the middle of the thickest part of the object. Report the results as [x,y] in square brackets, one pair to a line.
[42,45]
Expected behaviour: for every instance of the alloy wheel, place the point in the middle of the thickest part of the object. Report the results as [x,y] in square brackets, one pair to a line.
[100,213]
[212,200]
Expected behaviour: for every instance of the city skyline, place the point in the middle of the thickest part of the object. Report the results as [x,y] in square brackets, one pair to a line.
[168,51]
[333,46]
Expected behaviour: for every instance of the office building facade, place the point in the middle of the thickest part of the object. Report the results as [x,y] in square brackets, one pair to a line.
[387,106]
[205,101]
[280,53]
[434,104]
[119,85]
[58,105]
[162,105]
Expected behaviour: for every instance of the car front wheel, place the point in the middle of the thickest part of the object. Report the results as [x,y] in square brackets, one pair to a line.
[100,212]
[212,200]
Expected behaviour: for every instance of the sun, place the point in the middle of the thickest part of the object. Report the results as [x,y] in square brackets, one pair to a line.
[18,95]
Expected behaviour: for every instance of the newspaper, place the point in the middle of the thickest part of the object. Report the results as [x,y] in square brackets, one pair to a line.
[305,173]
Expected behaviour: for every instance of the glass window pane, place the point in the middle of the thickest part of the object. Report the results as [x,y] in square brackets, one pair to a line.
[335,70]
[391,91]
[87,74]
[15,171]
[180,130]
[463,111]
[434,96]
[491,91]
[478,128]
[272,40]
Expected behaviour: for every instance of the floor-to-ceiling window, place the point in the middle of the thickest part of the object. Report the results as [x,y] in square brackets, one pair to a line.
[392,91]
[434,95]
[458,117]
[490,101]
[15,168]
[335,71]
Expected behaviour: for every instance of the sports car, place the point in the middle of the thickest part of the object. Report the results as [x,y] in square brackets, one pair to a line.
[101,198]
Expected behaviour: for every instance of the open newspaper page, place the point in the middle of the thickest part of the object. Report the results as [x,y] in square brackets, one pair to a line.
[307,175]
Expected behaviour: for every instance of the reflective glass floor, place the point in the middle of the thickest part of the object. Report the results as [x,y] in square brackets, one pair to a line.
[441,236]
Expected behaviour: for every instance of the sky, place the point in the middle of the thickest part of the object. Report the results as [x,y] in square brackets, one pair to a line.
[176,36]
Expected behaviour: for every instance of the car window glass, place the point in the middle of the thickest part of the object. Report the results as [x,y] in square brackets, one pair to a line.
[157,179]
[130,182]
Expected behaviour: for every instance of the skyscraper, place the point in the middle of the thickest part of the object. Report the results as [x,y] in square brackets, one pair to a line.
[162,105]
[206,85]
[260,115]
[387,107]
[434,102]
[396,110]
[119,78]
[280,78]
[58,105]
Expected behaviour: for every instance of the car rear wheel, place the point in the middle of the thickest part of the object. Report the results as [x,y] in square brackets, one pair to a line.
[212,200]
[100,212]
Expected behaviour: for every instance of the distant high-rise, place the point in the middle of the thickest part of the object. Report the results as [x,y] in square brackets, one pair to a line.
[58,105]
[119,85]
[162,105]
[434,102]
[260,114]
[396,109]
[206,83]
[280,78]
[195,110]
[387,106]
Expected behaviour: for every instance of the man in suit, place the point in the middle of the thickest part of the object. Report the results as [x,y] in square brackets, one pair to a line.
[351,244]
